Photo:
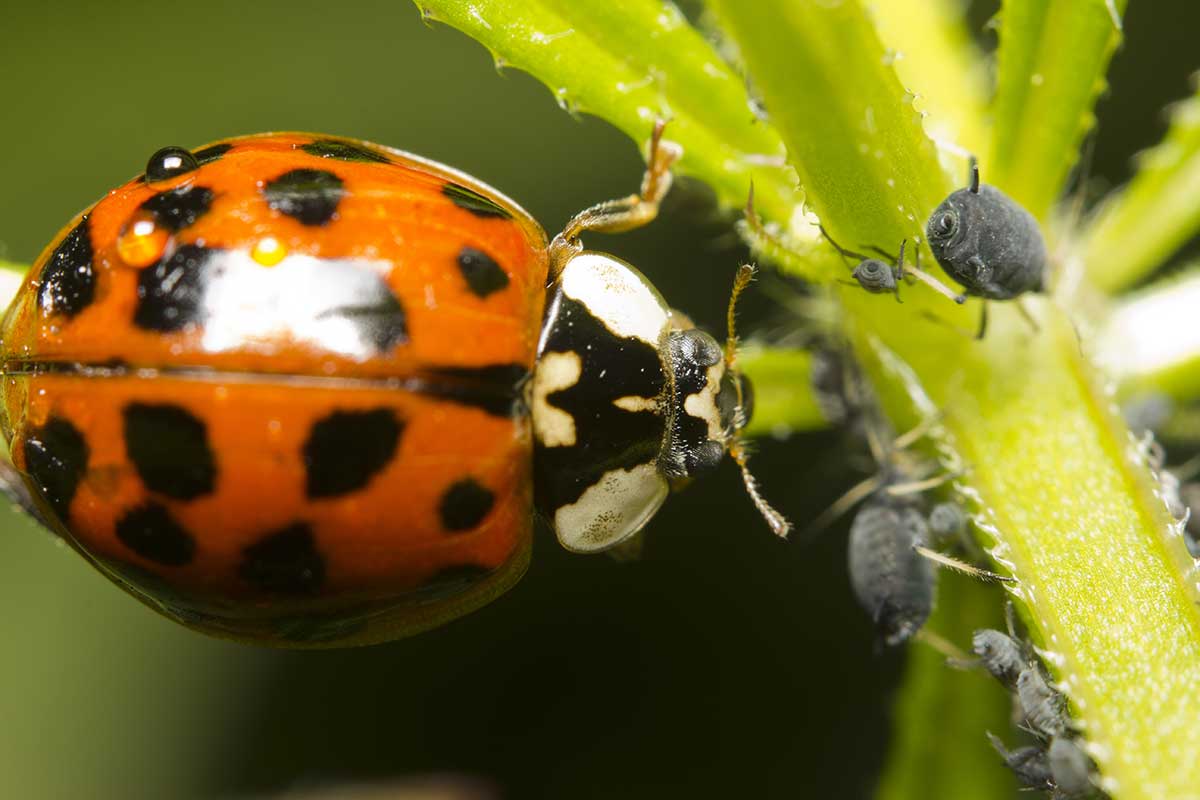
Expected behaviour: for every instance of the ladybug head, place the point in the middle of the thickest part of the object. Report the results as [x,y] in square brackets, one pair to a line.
[711,404]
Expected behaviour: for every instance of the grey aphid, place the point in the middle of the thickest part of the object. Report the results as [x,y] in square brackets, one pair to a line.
[894,584]
[1041,706]
[987,242]
[1000,655]
[1070,767]
[1030,765]
[947,521]
[1189,494]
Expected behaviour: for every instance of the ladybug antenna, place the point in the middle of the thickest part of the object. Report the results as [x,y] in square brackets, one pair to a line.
[737,446]
[973,186]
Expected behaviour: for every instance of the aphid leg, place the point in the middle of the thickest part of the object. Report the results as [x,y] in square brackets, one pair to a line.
[1028,315]
[983,321]
[917,432]
[843,252]
[961,566]
[625,213]
[930,281]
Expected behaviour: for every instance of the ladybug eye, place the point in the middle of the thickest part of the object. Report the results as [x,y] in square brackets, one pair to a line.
[168,163]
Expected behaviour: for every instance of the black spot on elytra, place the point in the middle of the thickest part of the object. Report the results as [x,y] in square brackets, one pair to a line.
[377,314]
[176,209]
[212,153]
[286,562]
[56,458]
[606,437]
[152,533]
[465,504]
[68,281]
[347,448]
[171,293]
[310,196]
[482,273]
[473,201]
[343,151]
[169,162]
[169,448]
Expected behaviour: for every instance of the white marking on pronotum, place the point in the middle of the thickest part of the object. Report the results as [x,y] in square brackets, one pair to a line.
[555,372]
[612,509]
[618,296]
[703,404]
[634,403]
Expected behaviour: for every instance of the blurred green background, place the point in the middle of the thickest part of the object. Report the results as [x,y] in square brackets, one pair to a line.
[723,663]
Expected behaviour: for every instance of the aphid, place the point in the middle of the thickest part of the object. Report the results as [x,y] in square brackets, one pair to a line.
[891,553]
[1030,764]
[947,521]
[1000,655]
[1070,767]
[1189,493]
[879,276]
[1057,763]
[891,580]
[987,243]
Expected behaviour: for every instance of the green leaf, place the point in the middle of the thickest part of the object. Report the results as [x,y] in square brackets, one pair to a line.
[865,164]
[784,400]
[1140,226]
[936,58]
[1150,342]
[634,62]
[939,749]
[1051,64]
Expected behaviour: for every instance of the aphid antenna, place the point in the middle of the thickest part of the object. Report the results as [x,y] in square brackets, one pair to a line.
[954,655]
[961,566]
[917,487]
[843,252]
[852,497]
[778,523]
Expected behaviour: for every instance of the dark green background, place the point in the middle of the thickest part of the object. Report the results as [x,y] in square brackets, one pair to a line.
[724,663]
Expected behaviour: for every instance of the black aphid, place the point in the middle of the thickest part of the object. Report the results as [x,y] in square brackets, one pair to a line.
[988,243]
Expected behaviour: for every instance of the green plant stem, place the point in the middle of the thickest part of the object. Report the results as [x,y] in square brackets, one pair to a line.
[589,57]
[936,58]
[784,401]
[1150,342]
[1051,63]
[1148,220]
[1068,512]
[883,175]
[956,704]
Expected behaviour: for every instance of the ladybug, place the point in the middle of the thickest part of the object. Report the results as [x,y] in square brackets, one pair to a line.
[307,391]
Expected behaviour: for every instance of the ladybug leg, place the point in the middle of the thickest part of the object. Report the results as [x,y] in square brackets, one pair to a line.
[625,213]
[13,487]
